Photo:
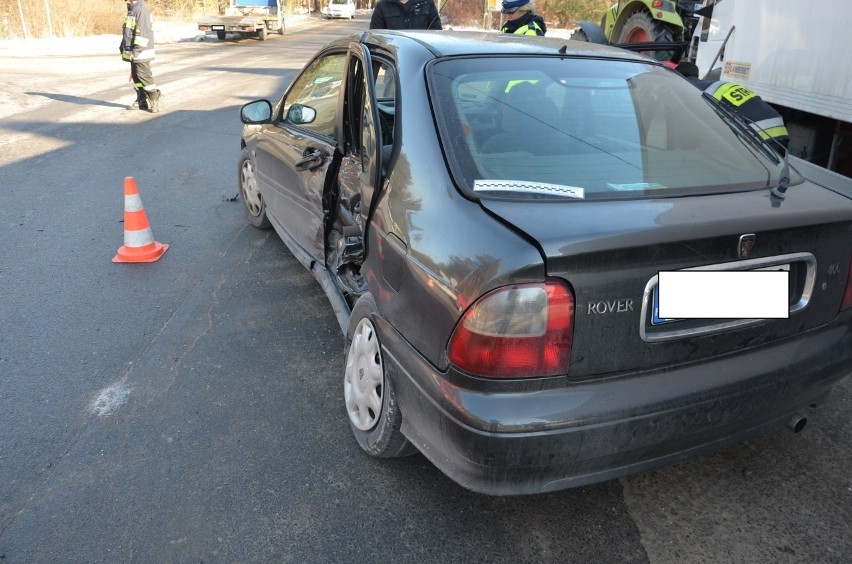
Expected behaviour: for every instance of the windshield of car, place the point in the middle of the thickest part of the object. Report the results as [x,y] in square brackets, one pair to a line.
[340,2]
[562,127]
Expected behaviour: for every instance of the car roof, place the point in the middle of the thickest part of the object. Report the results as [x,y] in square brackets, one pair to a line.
[457,43]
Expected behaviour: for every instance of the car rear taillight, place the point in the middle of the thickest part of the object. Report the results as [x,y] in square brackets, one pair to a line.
[847,294]
[519,331]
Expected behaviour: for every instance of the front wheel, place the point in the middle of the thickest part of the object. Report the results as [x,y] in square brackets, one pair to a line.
[371,403]
[250,192]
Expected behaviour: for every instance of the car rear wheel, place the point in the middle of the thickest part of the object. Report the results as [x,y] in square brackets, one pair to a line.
[261,34]
[250,192]
[371,403]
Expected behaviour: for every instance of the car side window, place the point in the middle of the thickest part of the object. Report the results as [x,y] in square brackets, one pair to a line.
[318,88]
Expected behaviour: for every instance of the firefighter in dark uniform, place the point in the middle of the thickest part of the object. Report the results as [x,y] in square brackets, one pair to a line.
[405,14]
[521,18]
[740,100]
[137,48]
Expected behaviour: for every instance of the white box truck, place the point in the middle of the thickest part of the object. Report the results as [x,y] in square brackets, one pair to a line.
[798,57]
[246,18]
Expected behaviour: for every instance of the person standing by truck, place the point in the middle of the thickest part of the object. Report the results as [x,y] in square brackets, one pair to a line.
[740,100]
[137,48]
[405,14]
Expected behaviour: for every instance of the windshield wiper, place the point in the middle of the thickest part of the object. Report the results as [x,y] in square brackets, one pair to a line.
[784,181]
[740,127]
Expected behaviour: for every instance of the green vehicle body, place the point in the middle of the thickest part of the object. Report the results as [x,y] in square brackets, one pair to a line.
[615,18]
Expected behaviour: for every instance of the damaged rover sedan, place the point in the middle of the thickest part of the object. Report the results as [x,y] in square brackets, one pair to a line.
[491,216]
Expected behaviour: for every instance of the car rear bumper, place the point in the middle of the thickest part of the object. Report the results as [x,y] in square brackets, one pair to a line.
[531,441]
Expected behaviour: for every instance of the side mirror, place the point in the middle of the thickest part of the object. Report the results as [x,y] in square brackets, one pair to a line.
[300,114]
[259,111]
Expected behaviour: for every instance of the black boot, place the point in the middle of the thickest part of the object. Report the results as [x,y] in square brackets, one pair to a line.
[141,102]
[154,101]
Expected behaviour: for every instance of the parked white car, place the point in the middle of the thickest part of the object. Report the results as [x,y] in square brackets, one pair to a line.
[340,9]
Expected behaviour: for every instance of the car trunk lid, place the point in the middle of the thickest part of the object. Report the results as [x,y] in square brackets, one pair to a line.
[611,251]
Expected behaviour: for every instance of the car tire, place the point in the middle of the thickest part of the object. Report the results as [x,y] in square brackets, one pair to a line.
[261,34]
[220,35]
[579,35]
[250,192]
[369,396]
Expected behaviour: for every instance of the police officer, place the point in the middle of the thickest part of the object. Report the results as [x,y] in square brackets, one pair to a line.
[521,19]
[405,14]
[740,100]
[137,48]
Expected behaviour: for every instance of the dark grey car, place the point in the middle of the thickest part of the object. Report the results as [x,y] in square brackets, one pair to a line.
[488,216]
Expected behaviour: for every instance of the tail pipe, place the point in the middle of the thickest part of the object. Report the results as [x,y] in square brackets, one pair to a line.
[797,422]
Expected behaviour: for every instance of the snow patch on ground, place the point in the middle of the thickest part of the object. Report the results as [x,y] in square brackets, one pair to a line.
[165,32]
[110,399]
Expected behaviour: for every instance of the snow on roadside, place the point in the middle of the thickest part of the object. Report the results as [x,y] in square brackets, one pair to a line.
[165,32]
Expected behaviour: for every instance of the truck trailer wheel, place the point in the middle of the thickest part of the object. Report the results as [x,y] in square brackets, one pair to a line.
[261,34]
[220,35]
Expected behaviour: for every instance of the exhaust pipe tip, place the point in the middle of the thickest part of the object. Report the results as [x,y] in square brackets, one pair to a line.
[797,423]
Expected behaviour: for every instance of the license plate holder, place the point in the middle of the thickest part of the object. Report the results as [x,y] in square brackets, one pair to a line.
[655,310]
[217,27]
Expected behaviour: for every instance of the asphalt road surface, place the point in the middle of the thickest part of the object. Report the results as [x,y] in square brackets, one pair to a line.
[191,409]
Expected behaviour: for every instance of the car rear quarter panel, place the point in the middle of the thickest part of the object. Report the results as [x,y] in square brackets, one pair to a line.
[431,251]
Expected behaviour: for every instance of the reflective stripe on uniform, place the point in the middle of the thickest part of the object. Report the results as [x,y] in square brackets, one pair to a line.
[529,29]
[512,83]
[768,123]
[773,132]
[735,94]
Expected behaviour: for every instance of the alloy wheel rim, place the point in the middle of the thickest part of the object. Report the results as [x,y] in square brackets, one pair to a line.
[363,382]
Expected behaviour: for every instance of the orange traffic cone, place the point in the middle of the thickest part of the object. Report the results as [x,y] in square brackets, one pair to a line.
[139,244]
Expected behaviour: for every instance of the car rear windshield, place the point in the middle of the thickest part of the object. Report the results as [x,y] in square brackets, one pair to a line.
[562,127]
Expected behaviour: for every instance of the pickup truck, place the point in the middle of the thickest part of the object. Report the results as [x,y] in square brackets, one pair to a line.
[246,17]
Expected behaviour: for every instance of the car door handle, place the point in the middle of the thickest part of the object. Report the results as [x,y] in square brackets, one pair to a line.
[311,159]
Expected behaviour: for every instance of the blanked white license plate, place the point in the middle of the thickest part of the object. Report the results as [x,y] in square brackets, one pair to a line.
[655,311]
[217,27]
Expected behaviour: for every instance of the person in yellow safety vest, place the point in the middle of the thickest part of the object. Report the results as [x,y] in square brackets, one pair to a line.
[137,48]
[521,18]
[740,100]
